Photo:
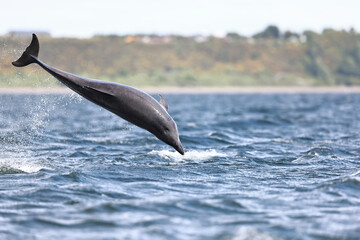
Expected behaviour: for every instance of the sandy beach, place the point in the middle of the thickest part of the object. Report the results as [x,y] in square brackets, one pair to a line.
[198,90]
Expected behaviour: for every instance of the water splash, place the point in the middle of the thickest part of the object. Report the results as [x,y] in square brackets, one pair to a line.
[191,155]
[12,166]
[23,128]
[75,98]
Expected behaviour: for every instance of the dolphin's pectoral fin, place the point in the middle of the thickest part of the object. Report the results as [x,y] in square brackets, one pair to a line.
[105,96]
[101,91]
[163,102]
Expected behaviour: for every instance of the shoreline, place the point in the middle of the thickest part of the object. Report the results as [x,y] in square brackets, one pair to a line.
[196,90]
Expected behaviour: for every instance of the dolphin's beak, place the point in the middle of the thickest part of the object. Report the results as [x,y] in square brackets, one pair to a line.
[179,148]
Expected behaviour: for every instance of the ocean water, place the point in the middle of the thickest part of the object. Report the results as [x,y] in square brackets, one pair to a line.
[257,166]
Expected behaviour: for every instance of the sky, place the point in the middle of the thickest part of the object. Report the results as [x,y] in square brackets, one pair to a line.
[84,18]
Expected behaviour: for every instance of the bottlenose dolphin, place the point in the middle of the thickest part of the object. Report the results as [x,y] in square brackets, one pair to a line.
[128,103]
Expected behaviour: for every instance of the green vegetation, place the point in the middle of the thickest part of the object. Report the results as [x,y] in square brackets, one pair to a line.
[269,58]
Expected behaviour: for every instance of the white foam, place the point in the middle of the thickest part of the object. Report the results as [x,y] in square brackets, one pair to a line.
[354,177]
[189,155]
[249,233]
[13,165]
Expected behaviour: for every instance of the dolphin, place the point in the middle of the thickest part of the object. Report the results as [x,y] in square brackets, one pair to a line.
[128,103]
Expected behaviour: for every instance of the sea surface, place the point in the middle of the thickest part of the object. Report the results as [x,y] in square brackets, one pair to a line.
[257,166]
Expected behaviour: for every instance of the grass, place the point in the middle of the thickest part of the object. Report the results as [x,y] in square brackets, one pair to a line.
[186,78]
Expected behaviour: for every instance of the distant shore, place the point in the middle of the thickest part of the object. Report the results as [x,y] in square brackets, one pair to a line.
[197,90]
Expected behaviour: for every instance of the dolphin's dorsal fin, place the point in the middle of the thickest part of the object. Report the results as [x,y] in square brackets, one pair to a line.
[163,102]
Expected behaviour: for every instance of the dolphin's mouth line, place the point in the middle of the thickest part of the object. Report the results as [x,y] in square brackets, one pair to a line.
[180,149]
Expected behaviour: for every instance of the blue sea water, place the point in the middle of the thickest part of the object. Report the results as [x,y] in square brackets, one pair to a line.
[257,166]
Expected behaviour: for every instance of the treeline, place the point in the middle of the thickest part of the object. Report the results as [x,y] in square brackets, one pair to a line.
[268,58]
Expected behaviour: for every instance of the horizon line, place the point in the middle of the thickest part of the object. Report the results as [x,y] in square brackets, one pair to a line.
[147,33]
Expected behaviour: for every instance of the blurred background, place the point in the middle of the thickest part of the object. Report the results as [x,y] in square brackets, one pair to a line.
[186,43]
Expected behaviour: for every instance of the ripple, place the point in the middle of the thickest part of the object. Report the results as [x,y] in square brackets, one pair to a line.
[275,166]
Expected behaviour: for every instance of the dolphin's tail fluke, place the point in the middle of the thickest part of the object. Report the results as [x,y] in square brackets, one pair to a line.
[30,53]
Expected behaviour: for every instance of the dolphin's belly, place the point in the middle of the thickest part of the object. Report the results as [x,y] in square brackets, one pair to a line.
[130,104]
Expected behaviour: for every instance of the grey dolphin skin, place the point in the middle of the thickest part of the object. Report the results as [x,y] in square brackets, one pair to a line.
[128,103]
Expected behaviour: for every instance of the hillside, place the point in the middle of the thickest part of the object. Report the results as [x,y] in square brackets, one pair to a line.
[269,58]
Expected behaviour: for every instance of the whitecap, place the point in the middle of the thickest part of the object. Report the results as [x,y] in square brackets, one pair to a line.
[189,155]
[247,233]
[8,166]
[191,124]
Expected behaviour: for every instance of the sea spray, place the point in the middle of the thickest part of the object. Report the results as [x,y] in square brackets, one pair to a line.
[25,128]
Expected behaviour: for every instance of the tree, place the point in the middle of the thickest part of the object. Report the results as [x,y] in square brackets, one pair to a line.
[269,32]
[291,35]
[234,36]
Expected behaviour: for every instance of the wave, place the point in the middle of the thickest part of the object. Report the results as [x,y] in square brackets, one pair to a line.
[347,186]
[13,166]
[193,155]
[355,174]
